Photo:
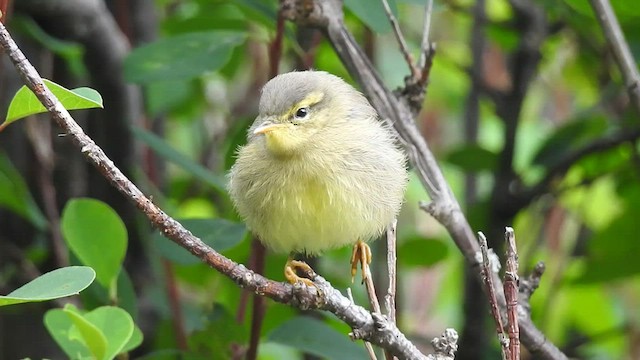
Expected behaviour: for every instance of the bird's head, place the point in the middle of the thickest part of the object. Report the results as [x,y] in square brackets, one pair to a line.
[296,107]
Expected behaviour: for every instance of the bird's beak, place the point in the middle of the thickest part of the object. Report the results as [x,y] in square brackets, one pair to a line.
[267,126]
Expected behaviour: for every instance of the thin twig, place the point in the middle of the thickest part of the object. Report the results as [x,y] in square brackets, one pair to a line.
[367,278]
[390,298]
[425,45]
[365,325]
[530,284]
[367,345]
[395,109]
[401,42]
[489,267]
[511,294]
[615,37]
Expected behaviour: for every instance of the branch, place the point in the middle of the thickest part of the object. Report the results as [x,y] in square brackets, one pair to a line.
[615,38]
[511,294]
[400,38]
[366,326]
[491,267]
[397,111]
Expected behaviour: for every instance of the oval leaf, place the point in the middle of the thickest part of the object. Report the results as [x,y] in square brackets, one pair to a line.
[56,284]
[96,235]
[87,332]
[473,158]
[317,338]
[116,325]
[59,325]
[220,234]
[422,252]
[25,102]
[181,57]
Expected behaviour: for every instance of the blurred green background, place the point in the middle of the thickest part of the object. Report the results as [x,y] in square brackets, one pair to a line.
[525,110]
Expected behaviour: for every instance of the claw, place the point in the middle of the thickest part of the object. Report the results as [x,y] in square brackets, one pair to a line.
[361,254]
[292,277]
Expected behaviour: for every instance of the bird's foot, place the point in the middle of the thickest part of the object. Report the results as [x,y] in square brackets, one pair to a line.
[291,274]
[361,254]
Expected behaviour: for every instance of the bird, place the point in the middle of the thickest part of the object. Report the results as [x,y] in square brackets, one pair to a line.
[319,171]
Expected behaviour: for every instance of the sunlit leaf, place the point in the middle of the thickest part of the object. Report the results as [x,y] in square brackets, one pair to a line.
[25,102]
[56,284]
[59,324]
[116,325]
[90,334]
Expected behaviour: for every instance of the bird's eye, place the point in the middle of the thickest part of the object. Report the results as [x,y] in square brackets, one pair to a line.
[302,113]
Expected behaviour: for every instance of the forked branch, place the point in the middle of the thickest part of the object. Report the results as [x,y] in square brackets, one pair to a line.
[366,326]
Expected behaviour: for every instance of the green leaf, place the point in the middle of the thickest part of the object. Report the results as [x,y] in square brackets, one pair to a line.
[567,137]
[97,236]
[213,343]
[102,333]
[134,341]
[609,251]
[25,102]
[161,96]
[59,324]
[71,52]
[220,234]
[473,158]
[167,152]
[181,57]
[372,13]
[56,284]
[418,251]
[116,325]
[15,195]
[89,334]
[317,338]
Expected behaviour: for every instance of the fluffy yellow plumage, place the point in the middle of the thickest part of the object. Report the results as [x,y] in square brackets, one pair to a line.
[319,170]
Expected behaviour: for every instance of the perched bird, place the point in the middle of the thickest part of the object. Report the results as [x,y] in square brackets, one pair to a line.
[319,171]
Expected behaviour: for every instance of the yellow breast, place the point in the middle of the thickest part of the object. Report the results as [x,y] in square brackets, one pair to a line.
[293,207]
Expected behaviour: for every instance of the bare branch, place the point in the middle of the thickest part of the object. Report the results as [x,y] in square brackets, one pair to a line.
[529,284]
[491,266]
[511,294]
[446,345]
[367,345]
[327,15]
[372,327]
[615,38]
[401,42]
[425,44]
[390,298]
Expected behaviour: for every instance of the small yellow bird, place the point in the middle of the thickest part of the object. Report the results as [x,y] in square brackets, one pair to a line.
[319,171]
